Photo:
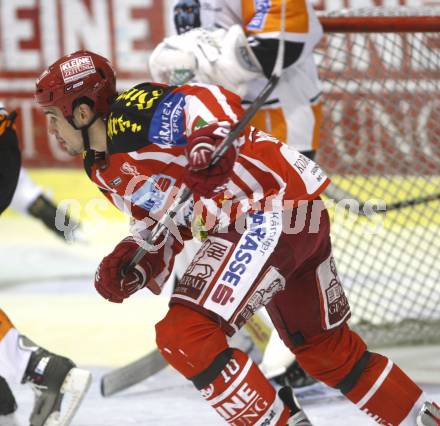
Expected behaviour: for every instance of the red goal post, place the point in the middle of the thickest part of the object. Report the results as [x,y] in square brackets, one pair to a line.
[380,139]
[380,20]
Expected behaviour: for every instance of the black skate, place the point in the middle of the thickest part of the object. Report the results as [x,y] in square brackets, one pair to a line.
[429,415]
[65,227]
[7,400]
[8,406]
[297,416]
[295,377]
[52,376]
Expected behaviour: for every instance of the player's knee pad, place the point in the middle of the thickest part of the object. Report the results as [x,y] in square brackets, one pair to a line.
[189,340]
[234,386]
[5,324]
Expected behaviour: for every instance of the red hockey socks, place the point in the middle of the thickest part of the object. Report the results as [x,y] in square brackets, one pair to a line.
[239,392]
[386,393]
[227,378]
[371,381]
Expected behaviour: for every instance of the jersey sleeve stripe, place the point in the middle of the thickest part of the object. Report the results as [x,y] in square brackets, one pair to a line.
[118,201]
[159,156]
[251,182]
[260,165]
[237,192]
[242,185]
[215,100]
[196,109]
[224,103]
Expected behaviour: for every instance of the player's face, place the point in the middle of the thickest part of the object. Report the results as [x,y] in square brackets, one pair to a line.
[67,136]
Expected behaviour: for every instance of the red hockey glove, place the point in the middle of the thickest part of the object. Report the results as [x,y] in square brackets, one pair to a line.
[110,283]
[201,178]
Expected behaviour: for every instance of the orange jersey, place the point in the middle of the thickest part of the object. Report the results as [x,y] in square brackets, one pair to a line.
[262,17]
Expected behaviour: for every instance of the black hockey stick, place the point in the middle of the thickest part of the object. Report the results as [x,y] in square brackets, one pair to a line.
[338,194]
[413,202]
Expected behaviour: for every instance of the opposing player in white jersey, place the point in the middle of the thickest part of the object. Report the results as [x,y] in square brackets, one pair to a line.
[21,360]
[141,147]
[238,51]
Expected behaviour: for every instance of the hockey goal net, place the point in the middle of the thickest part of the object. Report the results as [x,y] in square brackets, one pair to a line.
[380,140]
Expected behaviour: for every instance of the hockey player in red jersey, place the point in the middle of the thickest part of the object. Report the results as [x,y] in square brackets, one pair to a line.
[234,44]
[266,241]
[51,376]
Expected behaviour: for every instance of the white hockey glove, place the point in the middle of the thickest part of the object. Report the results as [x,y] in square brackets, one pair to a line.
[221,57]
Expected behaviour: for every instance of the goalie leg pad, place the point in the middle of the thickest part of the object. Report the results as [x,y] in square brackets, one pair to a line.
[227,378]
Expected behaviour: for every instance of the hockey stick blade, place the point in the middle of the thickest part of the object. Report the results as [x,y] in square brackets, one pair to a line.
[135,372]
[411,203]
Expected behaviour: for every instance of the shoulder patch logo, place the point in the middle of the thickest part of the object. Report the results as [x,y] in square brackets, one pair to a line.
[168,122]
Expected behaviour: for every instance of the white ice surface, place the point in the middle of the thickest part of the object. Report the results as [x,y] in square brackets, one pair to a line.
[168,399]
[64,314]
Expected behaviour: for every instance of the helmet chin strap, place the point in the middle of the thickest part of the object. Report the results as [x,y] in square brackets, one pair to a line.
[85,129]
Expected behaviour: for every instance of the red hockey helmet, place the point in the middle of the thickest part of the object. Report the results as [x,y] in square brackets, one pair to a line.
[80,74]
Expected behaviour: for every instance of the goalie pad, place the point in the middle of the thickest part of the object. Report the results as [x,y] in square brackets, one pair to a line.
[221,57]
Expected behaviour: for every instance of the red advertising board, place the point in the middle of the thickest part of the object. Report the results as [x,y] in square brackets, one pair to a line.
[34,33]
